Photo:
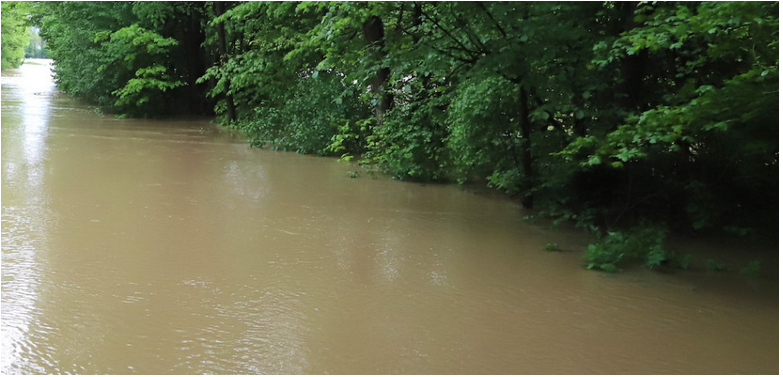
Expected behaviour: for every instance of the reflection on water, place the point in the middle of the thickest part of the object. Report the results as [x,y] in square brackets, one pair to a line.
[168,247]
[35,116]
[26,219]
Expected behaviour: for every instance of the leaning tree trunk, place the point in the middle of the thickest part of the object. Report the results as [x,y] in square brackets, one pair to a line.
[195,62]
[417,16]
[373,37]
[527,156]
[222,51]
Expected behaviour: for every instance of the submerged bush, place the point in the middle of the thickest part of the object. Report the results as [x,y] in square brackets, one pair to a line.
[303,123]
[642,242]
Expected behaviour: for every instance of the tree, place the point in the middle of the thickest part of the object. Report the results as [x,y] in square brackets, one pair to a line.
[14,32]
[629,119]
[127,57]
[36,48]
[710,109]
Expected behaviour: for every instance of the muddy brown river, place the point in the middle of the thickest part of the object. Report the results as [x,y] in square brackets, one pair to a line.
[171,247]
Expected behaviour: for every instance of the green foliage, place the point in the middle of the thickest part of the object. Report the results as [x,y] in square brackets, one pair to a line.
[752,269]
[121,56]
[604,256]
[410,145]
[643,242]
[709,113]
[350,137]
[483,136]
[624,115]
[132,47]
[305,123]
[14,33]
[679,260]
[713,265]
[552,247]
[70,30]
[36,47]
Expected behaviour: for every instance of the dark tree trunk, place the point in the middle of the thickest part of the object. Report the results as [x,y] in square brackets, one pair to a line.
[527,156]
[580,127]
[193,38]
[634,67]
[417,16]
[222,51]
[373,37]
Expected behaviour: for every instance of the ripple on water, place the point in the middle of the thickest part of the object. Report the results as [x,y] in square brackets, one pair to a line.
[149,247]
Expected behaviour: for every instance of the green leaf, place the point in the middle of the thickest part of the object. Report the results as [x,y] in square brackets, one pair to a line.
[609,267]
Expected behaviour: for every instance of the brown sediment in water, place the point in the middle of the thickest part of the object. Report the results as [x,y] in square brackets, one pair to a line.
[157,247]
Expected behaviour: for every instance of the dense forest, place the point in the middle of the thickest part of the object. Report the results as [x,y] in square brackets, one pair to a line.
[630,120]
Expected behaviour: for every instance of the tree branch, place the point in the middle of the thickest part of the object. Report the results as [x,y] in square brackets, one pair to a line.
[497,24]
[399,18]
[436,23]
[472,37]
[444,52]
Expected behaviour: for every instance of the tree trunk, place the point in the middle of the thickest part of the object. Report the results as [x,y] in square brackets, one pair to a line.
[373,37]
[417,15]
[222,51]
[195,62]
[527,156]
[633,68]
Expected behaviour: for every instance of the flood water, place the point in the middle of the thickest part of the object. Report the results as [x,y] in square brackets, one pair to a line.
[170,247]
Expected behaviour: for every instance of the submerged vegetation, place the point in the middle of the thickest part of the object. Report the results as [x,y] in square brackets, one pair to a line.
[631,120]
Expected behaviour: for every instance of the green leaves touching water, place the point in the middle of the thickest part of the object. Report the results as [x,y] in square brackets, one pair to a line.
[605,115]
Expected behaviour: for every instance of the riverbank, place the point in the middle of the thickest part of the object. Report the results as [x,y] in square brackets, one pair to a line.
[168,247]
